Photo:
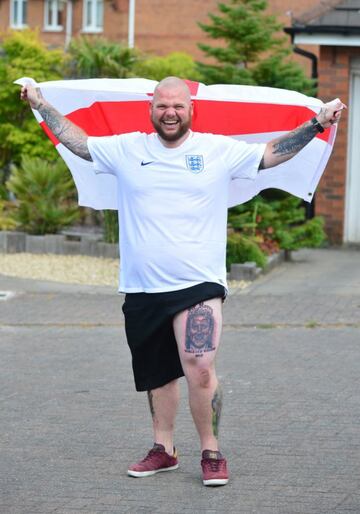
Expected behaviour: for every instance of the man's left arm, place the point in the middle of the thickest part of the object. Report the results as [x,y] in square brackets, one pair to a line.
[285,147]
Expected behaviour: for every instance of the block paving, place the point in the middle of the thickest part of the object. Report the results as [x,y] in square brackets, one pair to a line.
[289,364]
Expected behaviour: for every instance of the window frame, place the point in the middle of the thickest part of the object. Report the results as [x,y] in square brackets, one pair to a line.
[93,28]
[49,12]
[23,24]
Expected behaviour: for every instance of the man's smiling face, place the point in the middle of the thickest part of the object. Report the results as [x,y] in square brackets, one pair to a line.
[171,112]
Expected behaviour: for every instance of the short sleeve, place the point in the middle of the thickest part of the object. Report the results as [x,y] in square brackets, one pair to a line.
[242,159]
[106,153]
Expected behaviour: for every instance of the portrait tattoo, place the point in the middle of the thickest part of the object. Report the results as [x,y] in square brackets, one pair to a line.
[199,330]
[216,405]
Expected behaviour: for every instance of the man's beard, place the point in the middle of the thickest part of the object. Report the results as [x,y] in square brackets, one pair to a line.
[183,127]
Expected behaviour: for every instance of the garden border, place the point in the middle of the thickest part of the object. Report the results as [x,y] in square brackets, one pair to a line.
[76,243]
[60,244]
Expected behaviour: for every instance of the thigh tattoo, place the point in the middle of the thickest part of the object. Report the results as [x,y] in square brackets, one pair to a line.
[199,334]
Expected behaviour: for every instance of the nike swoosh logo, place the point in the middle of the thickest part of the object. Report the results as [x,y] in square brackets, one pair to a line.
[146,163]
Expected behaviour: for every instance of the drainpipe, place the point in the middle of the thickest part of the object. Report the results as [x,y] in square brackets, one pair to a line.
[314,62]
[309,207]
[131,28]
[69,22]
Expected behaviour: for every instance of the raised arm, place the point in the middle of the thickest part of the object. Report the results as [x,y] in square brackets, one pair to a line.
[69,134]
[285,147]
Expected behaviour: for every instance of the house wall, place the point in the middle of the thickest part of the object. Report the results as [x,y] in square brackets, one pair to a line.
[161,26]
[334,74]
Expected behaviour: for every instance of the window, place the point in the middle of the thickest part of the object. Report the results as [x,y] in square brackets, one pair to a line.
[93,16]
[18,14]
[53,15]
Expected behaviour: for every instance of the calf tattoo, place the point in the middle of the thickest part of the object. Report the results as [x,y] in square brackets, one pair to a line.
[199,334]
[151,403]
[216,405]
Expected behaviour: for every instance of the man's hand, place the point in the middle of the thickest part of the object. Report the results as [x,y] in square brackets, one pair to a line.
[32,95]
[330,113]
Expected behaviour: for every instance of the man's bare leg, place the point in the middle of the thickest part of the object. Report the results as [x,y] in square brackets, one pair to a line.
[197,331]
[163,403]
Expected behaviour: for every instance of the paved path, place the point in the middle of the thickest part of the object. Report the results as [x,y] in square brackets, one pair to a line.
[290,367]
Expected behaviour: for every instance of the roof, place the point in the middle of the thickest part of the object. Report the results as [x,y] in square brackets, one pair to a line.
[329,16]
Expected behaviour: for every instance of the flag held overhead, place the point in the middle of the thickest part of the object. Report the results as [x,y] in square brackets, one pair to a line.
[104,107]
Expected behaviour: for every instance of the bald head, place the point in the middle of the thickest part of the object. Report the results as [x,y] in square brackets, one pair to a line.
[175,84]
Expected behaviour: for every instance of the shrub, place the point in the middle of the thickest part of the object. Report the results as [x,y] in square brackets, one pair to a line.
[276,225]
[243,249]
[45,195]
[6,220]
[99,57]
[177,64]
[111,226]
[23,54]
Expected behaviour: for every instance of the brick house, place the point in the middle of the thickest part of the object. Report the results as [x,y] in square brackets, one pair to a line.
[159,26]
[329,33]
[336,29]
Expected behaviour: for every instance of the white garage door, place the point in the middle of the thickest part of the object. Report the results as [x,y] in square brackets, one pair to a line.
[352,201]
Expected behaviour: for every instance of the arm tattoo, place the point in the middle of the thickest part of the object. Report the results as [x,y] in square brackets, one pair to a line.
[294,141]
[71,136]
[200,326]
[216,405]
[151,403]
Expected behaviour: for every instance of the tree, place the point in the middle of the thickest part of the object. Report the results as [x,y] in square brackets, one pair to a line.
[251,50]
[23,54]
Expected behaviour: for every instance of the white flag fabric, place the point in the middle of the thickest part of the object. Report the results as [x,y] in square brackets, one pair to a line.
[104,107]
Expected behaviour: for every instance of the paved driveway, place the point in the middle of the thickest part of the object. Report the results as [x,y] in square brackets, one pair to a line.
[290,368]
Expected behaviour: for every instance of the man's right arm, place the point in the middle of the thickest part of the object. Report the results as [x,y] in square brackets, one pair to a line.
[69,134]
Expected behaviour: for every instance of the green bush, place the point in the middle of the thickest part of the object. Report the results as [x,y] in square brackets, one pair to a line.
[111,226]
[276,225]
[178,64]
[100,58]
[242,249]
[23,54]
[6,220]
[45,196]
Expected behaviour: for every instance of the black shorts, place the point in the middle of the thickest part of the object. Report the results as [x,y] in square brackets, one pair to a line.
[150,334]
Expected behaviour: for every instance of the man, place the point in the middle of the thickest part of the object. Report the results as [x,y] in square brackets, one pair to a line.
[173,189]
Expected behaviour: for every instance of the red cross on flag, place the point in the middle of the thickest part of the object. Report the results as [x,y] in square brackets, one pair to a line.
[103,107]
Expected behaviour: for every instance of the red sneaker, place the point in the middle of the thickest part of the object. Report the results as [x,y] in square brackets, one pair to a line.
[155,461]
[214,468]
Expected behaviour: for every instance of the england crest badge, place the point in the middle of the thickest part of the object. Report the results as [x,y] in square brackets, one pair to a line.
[195,163]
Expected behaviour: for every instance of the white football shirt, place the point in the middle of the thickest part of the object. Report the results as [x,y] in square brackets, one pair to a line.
[173,205]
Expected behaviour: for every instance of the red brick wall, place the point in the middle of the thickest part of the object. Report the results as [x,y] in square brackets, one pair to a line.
[334,71]
[161,26]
